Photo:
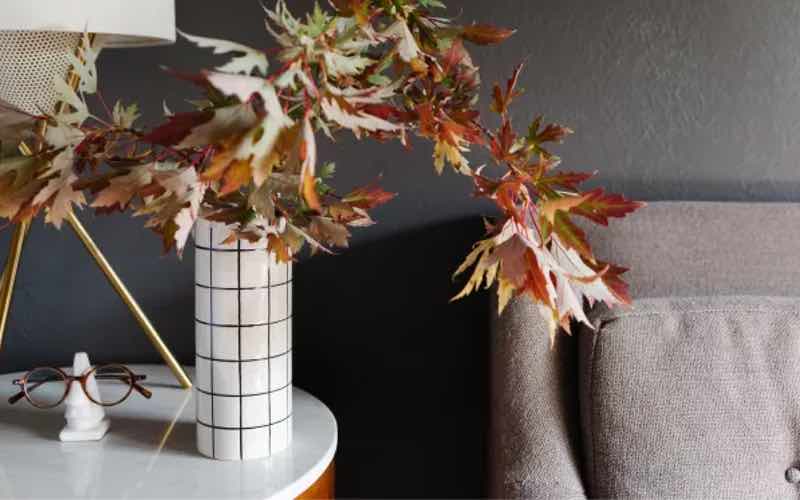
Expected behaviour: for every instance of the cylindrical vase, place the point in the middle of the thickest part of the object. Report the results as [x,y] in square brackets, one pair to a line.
[243,333]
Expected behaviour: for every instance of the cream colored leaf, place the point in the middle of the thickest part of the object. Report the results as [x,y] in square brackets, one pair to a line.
[122,189]
[85,65]
[249,60]
[479,249]
[125,116]
[310,142]
[64,161]
[343,65]
[65,94]
[240,86]
[60,196]
[369,95]
[483,256]
[185,221]
[407,47]
[584,279]
[230,121]
[358,121]
[569,302]
[179,181]
[62,135]
[293,74]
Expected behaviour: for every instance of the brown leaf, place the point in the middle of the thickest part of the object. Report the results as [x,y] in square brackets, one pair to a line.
[177,128]
[218,165]
[369,197]
[310,193]
[277,246]
[121,190]
[566,180]
[486,34]
[329,232]
[501,101]
[599,206]
[536,283]
[237,175]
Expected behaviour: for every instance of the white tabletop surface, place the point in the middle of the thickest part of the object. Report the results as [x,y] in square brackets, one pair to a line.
[150,451]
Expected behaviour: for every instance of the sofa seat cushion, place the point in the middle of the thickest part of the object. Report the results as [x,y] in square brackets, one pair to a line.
[692,397]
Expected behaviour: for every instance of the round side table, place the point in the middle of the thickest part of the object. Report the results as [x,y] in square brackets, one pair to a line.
[150,451]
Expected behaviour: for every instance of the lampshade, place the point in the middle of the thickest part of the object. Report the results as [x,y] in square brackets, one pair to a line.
[118,23]
[37,38]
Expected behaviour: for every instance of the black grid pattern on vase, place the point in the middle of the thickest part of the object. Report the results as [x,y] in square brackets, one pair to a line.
[243,330]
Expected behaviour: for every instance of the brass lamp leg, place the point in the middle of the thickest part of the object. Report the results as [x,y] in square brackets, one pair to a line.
[126,296]
[10,274]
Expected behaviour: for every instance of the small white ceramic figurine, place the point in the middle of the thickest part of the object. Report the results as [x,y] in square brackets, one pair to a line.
[85,420]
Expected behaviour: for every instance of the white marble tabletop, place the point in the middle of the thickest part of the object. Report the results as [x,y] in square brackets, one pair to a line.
[150,451]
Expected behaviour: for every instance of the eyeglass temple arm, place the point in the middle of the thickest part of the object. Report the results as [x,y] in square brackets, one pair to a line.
[140,388]
[21,394]
[16,397]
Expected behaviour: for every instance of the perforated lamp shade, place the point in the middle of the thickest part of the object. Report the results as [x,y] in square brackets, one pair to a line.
[36,37]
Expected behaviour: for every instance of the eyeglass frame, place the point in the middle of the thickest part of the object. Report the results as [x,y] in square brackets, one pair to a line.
[69,379]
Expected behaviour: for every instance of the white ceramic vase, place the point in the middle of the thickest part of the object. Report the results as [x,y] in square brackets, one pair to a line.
[243,331]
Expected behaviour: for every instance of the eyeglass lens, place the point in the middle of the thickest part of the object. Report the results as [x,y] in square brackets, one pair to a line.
[114,383]
[45,387]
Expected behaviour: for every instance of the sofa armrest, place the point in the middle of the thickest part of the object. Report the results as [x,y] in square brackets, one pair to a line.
[534,422]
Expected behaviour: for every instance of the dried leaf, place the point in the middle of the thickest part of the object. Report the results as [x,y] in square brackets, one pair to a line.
[407,47]
[59,196]
[226,122]
[250,59]
[486,34]
[599,206]
[122,189]
[178,128]
[237,174]
[339,65]
[337,110]
[549,208]
[125,116]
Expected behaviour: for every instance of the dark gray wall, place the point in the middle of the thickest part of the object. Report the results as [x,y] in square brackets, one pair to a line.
[671,99]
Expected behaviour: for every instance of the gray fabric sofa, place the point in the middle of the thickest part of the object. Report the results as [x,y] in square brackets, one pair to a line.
[692,393]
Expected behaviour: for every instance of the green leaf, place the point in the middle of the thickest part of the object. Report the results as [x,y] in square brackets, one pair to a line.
[379,80]
[327,170]
[317,22]
[432,4]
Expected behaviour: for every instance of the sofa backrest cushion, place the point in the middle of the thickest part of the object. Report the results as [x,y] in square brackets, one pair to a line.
[692,397]
[690,249]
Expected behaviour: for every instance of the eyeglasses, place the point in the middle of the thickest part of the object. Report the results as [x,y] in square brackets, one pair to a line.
[48,387]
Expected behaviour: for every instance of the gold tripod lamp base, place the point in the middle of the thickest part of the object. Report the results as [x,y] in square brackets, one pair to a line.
[18,240]
[12,267]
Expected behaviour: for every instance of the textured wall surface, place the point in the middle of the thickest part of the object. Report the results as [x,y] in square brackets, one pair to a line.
[671,99]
